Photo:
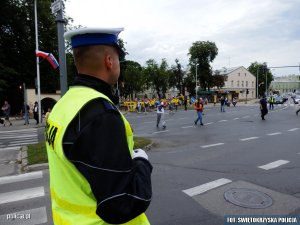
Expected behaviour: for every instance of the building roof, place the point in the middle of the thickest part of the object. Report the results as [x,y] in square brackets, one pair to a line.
[225,71]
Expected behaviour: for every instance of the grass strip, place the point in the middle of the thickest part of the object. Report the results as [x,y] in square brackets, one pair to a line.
[37,153]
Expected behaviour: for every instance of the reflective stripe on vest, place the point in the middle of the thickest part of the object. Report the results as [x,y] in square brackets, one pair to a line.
[73,201]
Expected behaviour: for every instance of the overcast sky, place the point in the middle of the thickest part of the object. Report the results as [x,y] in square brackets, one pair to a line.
[244,31]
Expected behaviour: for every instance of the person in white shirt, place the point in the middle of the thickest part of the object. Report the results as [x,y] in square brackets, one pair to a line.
[160,115]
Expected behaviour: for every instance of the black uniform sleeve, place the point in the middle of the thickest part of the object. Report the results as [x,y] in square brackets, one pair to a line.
[121,186]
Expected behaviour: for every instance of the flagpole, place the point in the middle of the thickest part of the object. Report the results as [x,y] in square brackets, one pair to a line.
[37,62]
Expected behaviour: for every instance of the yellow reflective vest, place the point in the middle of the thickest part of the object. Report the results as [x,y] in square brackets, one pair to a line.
[73,202]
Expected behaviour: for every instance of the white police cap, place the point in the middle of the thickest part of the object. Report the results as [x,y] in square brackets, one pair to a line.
[94,36]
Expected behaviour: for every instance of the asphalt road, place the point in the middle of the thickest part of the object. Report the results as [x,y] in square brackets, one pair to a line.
[195,165]
[232,149]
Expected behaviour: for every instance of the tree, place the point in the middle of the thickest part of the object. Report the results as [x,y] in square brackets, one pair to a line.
[17,48]
[134,81]
[202,53]
[157,76]
[218,80]
[176,77]
[261,71]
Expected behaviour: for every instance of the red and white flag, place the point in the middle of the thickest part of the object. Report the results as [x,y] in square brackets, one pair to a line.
[49,57]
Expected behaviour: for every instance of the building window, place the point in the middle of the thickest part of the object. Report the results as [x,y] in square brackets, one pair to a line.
[239,74]
[245,74]
[232,83]
[242,83]
[246,83]
[252,83]
[238,83]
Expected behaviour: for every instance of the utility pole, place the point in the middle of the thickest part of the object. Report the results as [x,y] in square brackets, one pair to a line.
[196,78]
[257,81]
[57,8]
[37,63]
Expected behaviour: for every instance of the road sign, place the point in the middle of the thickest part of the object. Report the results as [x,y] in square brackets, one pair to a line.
[56,6]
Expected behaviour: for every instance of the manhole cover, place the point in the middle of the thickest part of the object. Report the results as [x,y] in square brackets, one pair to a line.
[248,198]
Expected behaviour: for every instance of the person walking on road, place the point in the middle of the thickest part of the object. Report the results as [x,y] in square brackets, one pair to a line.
[199,109]
[160,111]
[223,102]
[185,102]
[6,112]
[96,177]
[36,112]
[263,107]
[25,113]
[297,112]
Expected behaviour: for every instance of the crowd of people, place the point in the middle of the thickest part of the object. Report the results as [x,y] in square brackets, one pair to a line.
[144,105]
[140,105]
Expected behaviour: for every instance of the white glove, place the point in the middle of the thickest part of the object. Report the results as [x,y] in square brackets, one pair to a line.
[139,153]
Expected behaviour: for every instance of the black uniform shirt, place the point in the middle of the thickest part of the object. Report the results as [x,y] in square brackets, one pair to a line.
[95,142]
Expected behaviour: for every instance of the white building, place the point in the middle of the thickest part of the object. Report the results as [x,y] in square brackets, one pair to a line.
[239,79]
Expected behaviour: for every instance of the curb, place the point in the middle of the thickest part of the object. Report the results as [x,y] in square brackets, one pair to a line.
[24,162]
[148,147]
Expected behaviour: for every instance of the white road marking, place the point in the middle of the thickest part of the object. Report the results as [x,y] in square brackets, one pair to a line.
[21,195]
[18,136]
[19,131]
[25,140]
[163,131]
[245,116]
[273,165]
[212,145]
[21,144]
[182,118]
[187,127]
[293,129]
[236,118]
[206,187]
[208,123]
[21,177]
[247,139]
[10,148]
[29,217]
[222,121]
[276,133]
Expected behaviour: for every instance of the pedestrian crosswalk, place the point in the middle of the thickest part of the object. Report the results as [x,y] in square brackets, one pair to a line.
[24,199]
[18,138]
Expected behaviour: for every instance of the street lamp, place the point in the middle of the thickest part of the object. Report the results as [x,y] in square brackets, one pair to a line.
[196,79]
[266,73]
[37,62]
[257,82]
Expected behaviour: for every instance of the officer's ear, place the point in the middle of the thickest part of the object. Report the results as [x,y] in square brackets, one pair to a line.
[108,61]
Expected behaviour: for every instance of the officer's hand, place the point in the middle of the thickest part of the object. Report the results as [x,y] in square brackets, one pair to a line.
[139,153]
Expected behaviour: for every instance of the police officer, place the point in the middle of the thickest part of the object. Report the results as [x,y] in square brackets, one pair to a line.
[95,175]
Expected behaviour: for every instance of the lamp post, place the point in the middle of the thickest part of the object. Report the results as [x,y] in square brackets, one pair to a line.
[257,82]
[266,72]
[196,79]
[37,63]
[57,8]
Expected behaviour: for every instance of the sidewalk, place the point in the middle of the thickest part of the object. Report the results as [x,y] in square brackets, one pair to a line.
[19,125]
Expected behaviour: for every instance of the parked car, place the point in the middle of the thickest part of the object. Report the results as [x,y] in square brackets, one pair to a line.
[279,99]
